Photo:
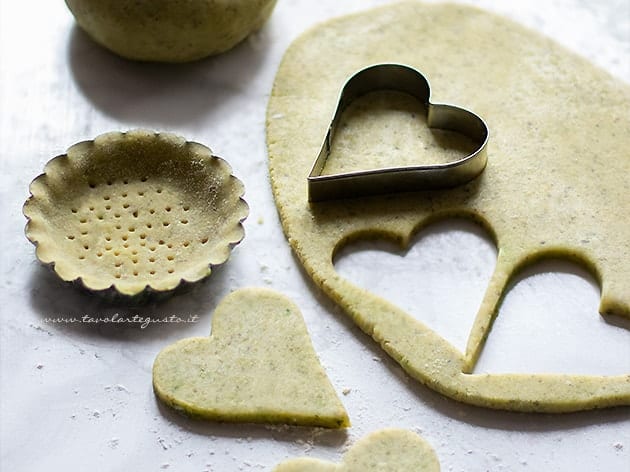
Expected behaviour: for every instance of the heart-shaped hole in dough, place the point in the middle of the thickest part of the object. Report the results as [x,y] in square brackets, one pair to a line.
[549,323]
[439,279]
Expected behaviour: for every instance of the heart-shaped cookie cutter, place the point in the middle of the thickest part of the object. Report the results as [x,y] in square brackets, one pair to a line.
[402,78]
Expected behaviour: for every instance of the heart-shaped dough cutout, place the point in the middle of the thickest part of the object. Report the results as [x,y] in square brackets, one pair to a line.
[258,366]
[387,450]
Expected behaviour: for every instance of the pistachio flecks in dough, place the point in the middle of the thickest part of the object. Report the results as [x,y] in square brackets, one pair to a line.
[555,185]
[170,30]
[131,214]
[387,450]
[257,366]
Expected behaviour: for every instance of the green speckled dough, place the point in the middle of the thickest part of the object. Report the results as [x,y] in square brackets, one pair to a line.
[387,450]
[556,182]
[170,30]
[136,213]
[258,366]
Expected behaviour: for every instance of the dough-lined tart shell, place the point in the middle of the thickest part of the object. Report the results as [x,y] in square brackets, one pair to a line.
[135,213]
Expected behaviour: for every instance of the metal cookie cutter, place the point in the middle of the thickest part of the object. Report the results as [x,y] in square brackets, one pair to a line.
[405,79]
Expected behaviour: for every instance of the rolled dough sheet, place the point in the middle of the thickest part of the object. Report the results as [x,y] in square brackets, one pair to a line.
[556,184]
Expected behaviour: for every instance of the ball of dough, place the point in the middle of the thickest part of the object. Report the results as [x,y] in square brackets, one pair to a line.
[170,30]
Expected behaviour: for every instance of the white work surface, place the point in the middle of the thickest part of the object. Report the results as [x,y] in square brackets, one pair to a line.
[79,396]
